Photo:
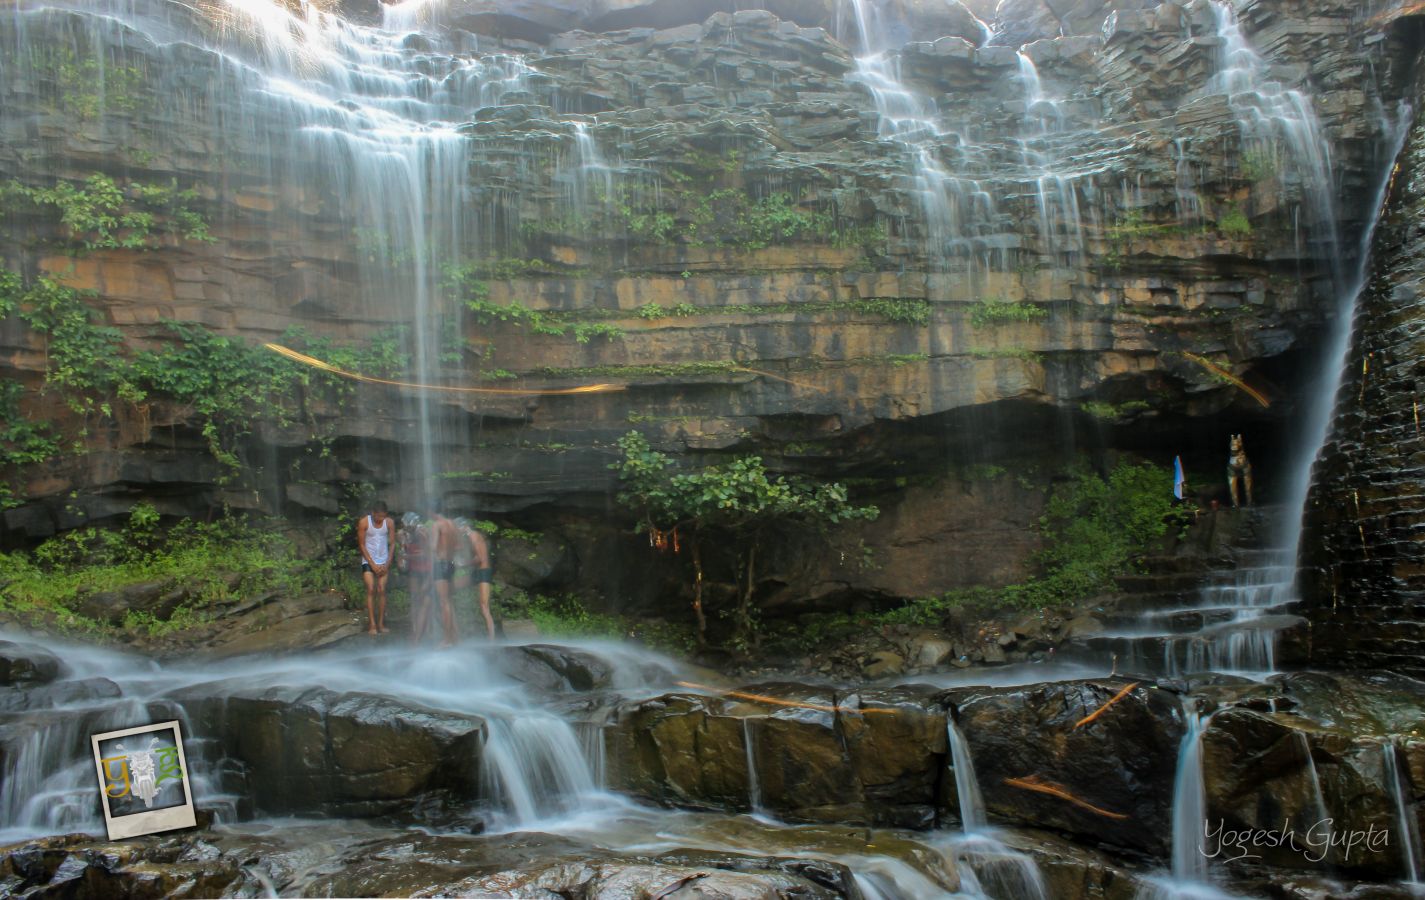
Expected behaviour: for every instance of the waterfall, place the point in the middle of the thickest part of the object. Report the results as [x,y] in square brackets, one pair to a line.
[754,786]
[1405,820]
[1317,794]
[310,115]
[1282,137]
[967,787]
[1189,801]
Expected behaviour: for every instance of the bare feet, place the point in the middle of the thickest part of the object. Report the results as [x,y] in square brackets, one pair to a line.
[371,631]
[385,630]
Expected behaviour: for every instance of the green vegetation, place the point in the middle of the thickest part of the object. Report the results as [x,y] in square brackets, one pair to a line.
[102,214]
[736,502]
[1259,163]
[907,311]
[1235,224]
[1095,528]
[210,562]
[670,370]
[567,616]
[988,313]
[1115,411]
[85,86]
[221,379]
[1019,353]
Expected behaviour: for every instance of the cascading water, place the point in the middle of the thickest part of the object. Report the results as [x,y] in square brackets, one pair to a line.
[1405,821]
[1240,614]
[967,786]
[1190,878]
[989,867]
[316,116]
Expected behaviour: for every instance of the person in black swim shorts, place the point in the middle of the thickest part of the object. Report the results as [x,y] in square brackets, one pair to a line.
[445,538]
[481,573]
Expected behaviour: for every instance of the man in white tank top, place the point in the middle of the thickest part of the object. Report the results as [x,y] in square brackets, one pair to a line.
[373,536]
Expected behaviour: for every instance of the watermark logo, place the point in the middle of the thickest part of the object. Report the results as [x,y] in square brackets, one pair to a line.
[1313,842]
[143,780]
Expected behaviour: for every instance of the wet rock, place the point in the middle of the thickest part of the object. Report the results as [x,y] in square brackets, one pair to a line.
[306,751]
[1106,779]
[1275,772]
[543,564]
[815,757]
[157,598]
[548,667]
[897,748]
[270,624]
[27,664]
[883,663]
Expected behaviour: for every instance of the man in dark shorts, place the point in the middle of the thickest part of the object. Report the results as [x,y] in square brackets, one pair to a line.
[480,570]
[444,539]
[374,535]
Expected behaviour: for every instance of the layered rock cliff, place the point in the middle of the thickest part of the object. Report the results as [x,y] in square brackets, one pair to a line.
[1049,223]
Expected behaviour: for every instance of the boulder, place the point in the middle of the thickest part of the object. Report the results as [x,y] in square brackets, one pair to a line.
[317,751]
[883,663]
[1108,780]
[26,665]
[873,758]
[527,565]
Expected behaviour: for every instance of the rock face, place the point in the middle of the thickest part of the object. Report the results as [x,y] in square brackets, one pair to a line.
[873,758]
[337,754]
[1105,780]
[1364,581]
[715,215]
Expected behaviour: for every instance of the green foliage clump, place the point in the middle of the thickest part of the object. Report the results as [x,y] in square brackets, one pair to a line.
[1114,411]
[738,501]
[909,311]
[211,562]
[1095,528]
[567,616]
[1235,224]
[102,214]
[85,86]
[223,380]
[1260,163]
[988,313]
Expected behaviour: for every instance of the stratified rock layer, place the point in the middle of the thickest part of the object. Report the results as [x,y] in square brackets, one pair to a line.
[1363,552]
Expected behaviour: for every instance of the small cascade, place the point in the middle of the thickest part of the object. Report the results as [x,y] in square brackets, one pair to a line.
[988,866]
[1405,821]
[960,212]
[534,768]
[1190,878]
[588,178]
[1317,794]
[754,785]
[967,787]
[1190,801]
[1061,225]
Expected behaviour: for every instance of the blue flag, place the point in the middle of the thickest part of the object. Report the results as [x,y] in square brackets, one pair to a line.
[1179,481]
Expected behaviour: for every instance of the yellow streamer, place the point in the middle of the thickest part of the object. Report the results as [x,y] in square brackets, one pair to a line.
[453,389]
[1218,370]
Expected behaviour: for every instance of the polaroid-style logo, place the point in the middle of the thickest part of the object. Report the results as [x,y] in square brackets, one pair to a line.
[143,780]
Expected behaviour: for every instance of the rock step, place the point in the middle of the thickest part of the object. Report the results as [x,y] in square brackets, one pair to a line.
[1157,584]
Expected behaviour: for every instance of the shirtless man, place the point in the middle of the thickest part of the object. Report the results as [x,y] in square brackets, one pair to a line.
[480,570]
[416,564]
[444,539]
[374,537]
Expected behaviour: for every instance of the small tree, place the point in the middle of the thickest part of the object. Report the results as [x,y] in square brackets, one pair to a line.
[737,500]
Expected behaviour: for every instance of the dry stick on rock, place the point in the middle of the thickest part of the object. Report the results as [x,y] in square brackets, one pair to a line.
[1039,785]
[777,701]
[1103,709]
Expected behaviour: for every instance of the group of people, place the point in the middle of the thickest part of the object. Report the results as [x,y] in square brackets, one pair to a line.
[440,556]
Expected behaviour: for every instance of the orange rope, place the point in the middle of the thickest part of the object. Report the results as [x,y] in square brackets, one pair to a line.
[516,392]
[776,701]
[1103,709]
[1035,783]
[1218,370]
